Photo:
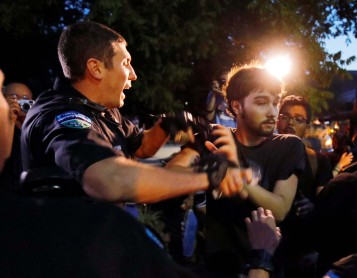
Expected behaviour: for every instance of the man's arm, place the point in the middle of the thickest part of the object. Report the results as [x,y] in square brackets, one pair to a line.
[232,184]
[279,201]
[153,139]
[159,134]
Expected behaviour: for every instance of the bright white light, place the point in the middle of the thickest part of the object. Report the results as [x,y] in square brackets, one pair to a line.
[328,143]
[279,66]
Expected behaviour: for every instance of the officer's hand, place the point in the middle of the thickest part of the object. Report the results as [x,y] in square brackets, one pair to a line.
[215,165]
[178,128]
[225,178]
[234,183]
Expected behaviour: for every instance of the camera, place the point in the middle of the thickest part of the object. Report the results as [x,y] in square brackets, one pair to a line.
[222,82]
[25,104]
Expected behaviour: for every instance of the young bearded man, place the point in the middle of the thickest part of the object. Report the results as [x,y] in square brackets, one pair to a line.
[253,96]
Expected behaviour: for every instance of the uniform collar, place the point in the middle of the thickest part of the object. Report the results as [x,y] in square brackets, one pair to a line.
[64,84]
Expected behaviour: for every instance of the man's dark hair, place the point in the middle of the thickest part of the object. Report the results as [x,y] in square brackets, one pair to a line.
[82,41]
[244,80]
[293,100]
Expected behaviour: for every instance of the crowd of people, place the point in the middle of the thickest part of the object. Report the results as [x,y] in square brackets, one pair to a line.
[71,163]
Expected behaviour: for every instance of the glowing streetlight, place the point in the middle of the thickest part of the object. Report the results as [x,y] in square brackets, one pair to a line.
[279,66]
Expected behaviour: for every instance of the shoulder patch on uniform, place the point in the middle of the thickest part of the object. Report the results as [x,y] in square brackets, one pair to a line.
[73,119]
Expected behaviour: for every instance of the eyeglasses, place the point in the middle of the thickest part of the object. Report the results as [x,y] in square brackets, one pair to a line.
[298,120]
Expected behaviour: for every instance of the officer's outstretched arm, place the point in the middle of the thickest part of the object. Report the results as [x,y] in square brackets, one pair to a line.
[154,138]
[164,129]
[119,179]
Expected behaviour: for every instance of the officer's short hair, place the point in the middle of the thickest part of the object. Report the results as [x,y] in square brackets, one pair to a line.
[82,41]
[246,79]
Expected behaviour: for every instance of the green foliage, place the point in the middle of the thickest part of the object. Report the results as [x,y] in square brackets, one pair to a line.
[177,45]
[153,219]
[165,39]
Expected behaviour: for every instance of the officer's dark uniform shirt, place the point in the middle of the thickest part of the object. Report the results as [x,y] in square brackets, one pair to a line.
[65,129]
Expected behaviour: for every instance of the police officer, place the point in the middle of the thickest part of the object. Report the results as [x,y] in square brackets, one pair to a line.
[78,128]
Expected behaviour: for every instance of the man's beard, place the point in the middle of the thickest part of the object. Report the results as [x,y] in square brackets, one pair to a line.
[256,130]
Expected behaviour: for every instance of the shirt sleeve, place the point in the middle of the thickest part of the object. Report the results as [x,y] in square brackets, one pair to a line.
[73,149]
[293,161]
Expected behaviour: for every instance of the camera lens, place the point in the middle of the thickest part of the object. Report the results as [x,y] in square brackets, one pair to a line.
[25,107]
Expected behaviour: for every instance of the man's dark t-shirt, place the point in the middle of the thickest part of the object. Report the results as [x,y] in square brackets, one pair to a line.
[277,158]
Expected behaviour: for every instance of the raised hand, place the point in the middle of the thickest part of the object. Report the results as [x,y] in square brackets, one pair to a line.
[262,230]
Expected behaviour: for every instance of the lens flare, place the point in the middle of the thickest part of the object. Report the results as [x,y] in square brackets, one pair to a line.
[279,66]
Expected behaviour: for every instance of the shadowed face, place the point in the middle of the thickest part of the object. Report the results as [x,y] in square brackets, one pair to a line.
[21,92]
[292,120]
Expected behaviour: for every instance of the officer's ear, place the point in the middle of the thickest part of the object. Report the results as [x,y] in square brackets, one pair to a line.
[94,67]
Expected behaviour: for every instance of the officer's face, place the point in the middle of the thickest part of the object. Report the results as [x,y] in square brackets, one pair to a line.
[118,78]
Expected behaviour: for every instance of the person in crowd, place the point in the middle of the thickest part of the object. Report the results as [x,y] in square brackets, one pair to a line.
[345,160]
[4,125]
[341,157]
[19,98]
[265,237]
[77,128]
[332,224]
[294,118]
[216,103]
[253,96]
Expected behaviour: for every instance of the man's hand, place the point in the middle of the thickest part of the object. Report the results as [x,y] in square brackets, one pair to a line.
[223,143]
[236,178]
[262,230]
[225,178]
[14,108]
[234,183]
[345,160]
[217,88]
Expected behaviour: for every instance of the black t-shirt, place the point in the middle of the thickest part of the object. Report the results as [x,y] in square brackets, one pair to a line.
[64,129]
[277,158]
